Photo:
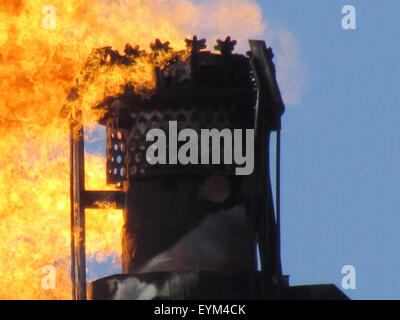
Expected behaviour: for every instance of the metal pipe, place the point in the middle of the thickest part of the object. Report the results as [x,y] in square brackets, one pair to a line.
[73,266]
[278,197]
[78,209]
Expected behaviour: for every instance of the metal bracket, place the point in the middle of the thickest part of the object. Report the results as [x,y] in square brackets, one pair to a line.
[269,110]
[81,200]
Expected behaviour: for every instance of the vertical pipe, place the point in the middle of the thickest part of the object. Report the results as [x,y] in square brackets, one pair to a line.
[72,180]
[78,208]
[278,189]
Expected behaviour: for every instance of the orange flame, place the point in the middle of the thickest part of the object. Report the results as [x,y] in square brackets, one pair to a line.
[41,55]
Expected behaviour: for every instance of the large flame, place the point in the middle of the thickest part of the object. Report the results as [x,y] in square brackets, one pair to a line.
[39,64]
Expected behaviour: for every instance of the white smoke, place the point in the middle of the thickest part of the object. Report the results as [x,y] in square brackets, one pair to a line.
[216,19]
[243,20]
[291,68]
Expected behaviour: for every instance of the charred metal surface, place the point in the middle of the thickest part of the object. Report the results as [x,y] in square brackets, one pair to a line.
[195,45]
[226,47]
[270,103]
[269,109]
[204,91]
[160,230]
[190,285]
[201,286]
[127,145]
[92,199]
[190,232]
[163,209]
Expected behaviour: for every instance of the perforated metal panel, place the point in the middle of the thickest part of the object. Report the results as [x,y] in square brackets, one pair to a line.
[117,155]
[127,147]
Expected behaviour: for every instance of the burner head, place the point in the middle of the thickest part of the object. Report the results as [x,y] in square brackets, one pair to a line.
[204,91]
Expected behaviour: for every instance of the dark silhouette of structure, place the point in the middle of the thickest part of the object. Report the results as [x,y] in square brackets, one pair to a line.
[191,231]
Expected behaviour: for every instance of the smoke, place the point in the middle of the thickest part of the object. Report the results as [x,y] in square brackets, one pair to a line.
[211,19]
[291,67]
[174,20]
[35,55]
[242,20]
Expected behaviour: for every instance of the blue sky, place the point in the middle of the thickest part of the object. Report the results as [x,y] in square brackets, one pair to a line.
[341,146]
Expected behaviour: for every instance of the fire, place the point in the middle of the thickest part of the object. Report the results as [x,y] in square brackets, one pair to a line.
[40,61]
